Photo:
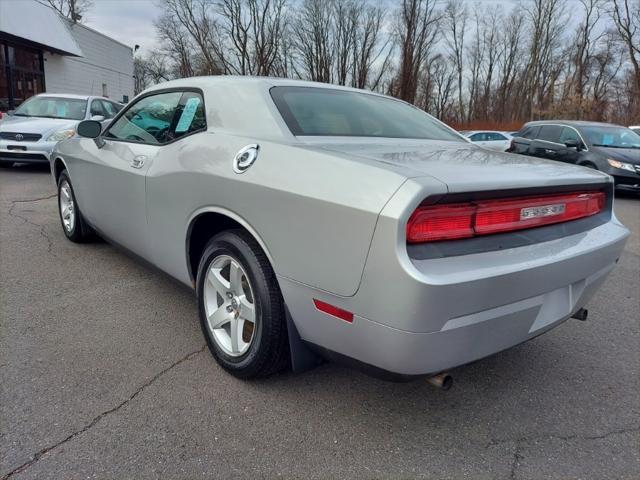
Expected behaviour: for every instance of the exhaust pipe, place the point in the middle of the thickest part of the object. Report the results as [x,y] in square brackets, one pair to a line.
[443,381]
[581,314]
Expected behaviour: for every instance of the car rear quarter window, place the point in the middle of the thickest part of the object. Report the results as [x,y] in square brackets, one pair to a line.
[569,133]
[529,132]
[312,111]
[550,133]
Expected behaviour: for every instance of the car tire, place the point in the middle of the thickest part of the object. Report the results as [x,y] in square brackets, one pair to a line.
[260,347]
[74,226]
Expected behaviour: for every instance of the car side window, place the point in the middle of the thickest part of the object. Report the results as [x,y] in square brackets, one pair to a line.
[529,132]
[550,133]
[477,137]
[149,120]
[496,136]
[569,134]
[190,115]
[109,109]
[96,108]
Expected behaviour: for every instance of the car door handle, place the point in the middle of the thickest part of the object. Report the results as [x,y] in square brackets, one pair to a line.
[138,161]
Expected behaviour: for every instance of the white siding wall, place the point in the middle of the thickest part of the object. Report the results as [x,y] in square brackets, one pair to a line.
[104,61]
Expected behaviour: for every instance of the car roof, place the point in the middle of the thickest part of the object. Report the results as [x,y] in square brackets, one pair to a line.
[74,96]
[471,132]
[251,81]
[572,123]
[64,95]
[242,105]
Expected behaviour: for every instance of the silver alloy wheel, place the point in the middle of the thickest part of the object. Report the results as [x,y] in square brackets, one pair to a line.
[67,207]
[229,305]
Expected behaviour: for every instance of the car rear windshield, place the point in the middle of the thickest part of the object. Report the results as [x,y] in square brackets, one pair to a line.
[340,113]
[612,137]
[53,107]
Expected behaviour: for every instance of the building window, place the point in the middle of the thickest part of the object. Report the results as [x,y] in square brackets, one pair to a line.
[21,74]
[104,90]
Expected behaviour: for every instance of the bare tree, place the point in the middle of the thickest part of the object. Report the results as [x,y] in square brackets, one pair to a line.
[416,31]
[250,35]
[312,28]
[510,64]
[72,9]
[369,47]
[626,17]
[455,24]
[546,19]
[176,45]
[150,70]
[196,19]
[443,77]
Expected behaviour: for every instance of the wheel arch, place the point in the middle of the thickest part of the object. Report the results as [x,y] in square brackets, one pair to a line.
[207,222]
[58,167]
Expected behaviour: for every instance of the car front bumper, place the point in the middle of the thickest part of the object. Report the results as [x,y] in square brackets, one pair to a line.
[421,317]
[26,152]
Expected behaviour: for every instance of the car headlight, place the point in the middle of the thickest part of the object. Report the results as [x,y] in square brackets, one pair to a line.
[621,165]
[61,135]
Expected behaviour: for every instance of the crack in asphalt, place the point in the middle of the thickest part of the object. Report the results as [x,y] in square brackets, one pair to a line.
[574,436]
[43,232]
[517,457]
[38,455]
[519,442]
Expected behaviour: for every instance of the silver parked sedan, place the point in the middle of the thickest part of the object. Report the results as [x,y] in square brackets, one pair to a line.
[314,219]
[30,133]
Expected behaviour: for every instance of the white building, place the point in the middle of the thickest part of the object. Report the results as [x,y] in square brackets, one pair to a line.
[41,51]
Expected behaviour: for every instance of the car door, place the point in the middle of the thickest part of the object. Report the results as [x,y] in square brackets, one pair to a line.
[547,144]
[113,177]
[496,141]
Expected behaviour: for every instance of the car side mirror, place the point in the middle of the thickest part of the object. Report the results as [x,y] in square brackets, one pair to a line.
[98,118]
[577,144]
[91,129]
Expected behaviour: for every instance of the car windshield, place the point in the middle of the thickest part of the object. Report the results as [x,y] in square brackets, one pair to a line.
[340,113]
[612,137]
[53,107]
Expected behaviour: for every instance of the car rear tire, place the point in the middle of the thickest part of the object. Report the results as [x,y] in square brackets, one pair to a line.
[241,308]
[74,226]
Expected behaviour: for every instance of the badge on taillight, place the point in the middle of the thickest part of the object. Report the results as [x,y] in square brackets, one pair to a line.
[542,211]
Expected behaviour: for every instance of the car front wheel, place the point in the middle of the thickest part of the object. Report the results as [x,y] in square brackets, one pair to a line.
[241,307]
[73,224]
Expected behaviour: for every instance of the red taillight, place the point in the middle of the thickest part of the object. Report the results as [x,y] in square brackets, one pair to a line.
[463,220]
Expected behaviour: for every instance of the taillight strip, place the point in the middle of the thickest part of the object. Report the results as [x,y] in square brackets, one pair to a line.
[484,217]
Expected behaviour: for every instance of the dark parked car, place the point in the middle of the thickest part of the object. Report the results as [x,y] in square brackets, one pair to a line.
[609,148]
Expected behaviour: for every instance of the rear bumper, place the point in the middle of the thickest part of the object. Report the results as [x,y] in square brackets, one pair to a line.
[422,317]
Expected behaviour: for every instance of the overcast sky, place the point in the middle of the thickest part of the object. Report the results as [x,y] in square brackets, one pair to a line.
[131,21]
[128,21]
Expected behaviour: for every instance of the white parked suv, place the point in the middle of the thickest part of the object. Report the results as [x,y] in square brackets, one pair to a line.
[29,134]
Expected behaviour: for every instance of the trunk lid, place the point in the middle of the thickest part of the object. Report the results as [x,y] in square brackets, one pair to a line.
[461,166]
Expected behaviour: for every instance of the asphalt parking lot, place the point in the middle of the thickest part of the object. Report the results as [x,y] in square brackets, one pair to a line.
[104,374]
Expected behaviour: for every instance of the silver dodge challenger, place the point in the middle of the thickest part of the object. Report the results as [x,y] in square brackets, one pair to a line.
[318,221]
